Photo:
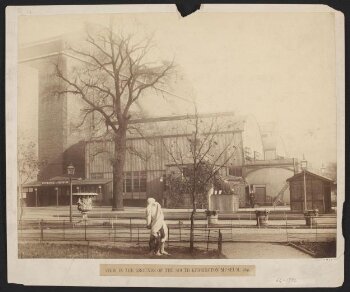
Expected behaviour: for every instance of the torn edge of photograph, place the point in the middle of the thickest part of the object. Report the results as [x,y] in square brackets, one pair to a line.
[148,149]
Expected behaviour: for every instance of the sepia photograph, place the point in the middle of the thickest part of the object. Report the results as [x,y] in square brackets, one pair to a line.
[159,139]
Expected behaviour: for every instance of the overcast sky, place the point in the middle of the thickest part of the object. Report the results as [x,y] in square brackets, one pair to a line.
[279,67]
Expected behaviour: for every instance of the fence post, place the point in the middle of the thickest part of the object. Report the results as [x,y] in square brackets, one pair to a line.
[311,219]
[87,249]
[316,230]
[115,227]
[85,230]
[232,227]
[138,235]
[64,229]
[41,230]
[109,228]
[208,239]
[21,226]
[130,231]
[287,228]
[220,242]
[168,233]
[180,230]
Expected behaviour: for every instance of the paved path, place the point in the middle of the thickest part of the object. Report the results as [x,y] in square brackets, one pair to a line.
[256,250]
[80,231]
[40,212]
[173,217]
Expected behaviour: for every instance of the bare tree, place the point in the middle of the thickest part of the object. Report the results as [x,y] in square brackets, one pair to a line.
[28,166]
[115,73]
[28,163]
[208,154]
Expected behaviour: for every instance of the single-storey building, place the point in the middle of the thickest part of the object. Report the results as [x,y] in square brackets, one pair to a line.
[311,188]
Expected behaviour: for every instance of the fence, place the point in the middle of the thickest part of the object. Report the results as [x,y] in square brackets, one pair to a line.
[110,231]
[133,230]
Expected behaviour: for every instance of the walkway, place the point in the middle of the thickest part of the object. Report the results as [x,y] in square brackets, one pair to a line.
[256,250]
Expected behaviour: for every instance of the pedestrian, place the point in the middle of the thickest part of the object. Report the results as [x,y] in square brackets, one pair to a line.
[252,199]
[159,230]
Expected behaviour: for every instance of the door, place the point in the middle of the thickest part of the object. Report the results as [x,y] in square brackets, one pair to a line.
[260,195]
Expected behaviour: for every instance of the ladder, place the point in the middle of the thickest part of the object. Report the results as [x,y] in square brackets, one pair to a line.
[279,198]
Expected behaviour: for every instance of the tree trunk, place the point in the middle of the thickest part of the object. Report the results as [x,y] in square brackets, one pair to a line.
[192,223]
[118,169]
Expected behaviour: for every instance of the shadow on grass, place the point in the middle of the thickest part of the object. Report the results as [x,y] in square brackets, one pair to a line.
[97,251]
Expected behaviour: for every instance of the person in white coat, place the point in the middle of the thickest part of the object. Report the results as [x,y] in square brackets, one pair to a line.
[159,230]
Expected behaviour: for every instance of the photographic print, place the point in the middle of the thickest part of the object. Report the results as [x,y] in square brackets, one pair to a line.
[147,145]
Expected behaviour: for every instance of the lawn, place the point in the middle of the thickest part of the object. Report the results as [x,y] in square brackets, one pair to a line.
[319,249]
[99,251]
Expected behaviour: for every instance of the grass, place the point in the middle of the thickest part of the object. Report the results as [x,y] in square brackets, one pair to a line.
[61,250]
[319,249]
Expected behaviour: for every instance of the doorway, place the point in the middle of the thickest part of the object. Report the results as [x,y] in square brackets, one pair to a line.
[260,195]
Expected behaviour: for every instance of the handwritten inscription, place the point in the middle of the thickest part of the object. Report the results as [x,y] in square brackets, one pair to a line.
[286,280]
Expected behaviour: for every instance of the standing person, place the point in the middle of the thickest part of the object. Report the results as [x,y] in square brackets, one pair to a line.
[252,199]
[159,230]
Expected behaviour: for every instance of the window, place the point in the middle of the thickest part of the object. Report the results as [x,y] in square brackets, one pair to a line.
[135,182]
[143,181]
[128,182]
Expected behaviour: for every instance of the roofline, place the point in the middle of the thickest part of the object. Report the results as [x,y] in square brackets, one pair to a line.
[75,182]
[191,163]
[180,117]
[312,174]
[85,194]
[163,136]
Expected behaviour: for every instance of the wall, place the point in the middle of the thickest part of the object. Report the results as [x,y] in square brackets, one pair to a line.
[52,123]
[317,194]
[273,178]
[224,203]
[58,114]
[152,156]
[149,155]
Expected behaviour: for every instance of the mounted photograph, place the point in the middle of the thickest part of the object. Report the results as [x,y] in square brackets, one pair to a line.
[145,144]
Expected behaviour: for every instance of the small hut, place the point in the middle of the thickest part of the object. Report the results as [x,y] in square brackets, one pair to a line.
[316,188]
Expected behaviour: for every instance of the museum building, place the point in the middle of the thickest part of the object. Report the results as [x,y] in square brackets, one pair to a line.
[260,159]
[148,161]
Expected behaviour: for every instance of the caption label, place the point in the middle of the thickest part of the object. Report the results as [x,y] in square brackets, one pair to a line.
[176,270]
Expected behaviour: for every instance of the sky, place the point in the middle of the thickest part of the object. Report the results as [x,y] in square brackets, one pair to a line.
[278,67]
